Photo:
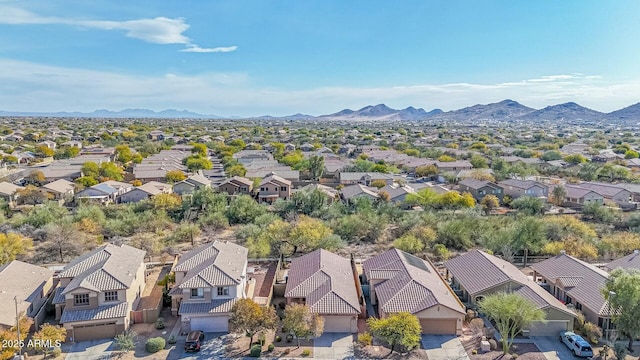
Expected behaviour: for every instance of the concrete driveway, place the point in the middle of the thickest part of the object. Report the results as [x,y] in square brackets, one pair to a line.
[90,350]
[444,347]
[213,347]
[335,346]
[552,348]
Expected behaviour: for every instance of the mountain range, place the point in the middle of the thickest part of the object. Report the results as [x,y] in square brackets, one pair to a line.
[506,110]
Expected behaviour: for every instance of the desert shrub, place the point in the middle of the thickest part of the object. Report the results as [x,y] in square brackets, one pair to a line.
[256,350]
[270,347]
[592,332]
[172,340]
[306,352]
[278,338]
[579,321]
[154,345]
[365,339]
[56,353]
[493,344]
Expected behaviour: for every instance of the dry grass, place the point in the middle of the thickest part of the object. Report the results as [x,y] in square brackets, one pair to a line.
[240,347]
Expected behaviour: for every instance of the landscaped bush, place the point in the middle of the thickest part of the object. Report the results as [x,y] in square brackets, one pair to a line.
[56,353]
[256,350]
[278,338]
[172,340]
[160,323]
[365,339]
[306,352]
[270,347]
[154,345]
[592,332]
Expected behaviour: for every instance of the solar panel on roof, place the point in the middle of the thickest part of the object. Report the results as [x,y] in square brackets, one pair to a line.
[415,262]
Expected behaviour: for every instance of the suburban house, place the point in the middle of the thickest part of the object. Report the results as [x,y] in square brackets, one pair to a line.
[145,191]
[481,188]
[629,262]
[9,192]
[576,282]
[60,189]
[612,194]
[399,281]
[578,196]
[191,184]
[476,274]
[236,185]
[31,285]
[329,285]
[274,187]
[331,193]
[97,291]
[62,171]
[209,280]
[351,192]
[397,193]
[363,178]
[516,188]
[105,192]
[453,166]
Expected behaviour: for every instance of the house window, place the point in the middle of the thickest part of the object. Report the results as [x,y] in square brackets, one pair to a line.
[111,296]
[578,306]
[223,291]
[283,188]
[81,299]
[244,188]
[197,293]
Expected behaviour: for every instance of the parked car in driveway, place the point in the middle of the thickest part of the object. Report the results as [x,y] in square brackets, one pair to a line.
[575,343]
[194,341]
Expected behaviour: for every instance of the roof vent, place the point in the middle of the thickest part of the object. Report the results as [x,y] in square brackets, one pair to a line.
[562,252]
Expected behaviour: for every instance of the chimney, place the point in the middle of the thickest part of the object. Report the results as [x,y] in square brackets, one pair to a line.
[562,252]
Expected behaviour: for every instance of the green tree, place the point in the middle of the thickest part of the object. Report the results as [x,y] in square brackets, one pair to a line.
[301,322]
[558,195]
[236,170]
[45,151]
[86,181]
[511,313]
[51,334]
[91,169]
[111,171]
[631,154]
[123,153]
[32,195]
[529,234]
[248,318]
[490,202]
[622,290]
[528,205]
[427,170]
[13,245]
[198,163]
[243,210]
[400,328]
[175,176]
[316,166]
[200,149]
[551,155]
[126,341]
[479,162]
[599,213]
[409,243]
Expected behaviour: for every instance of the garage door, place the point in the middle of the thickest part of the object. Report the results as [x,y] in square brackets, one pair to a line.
[438,326]
[210,324]
[94,331]
[337,324]
[550,328]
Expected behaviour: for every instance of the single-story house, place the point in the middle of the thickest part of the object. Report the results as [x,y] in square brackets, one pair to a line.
[31,285]
[399,281]
[481,188]
[629,262]
[329,285]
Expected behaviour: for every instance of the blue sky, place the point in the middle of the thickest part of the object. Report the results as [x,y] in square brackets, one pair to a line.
[280,57]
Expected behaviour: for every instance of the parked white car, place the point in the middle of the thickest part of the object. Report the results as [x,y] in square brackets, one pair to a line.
[575,343]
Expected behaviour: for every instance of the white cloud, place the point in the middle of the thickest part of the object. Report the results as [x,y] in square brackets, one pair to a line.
[67,89]
[197,49]
[159,30]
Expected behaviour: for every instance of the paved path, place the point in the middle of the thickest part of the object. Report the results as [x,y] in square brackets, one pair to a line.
[90,350]
[552,348]
[334,346]
[444,347]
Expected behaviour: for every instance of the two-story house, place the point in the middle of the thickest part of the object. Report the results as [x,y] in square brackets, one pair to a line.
[274,187]
[236,185]
[104,193]
[209,280]
[191,184]
[329,285]
[31,285]
[477,274]
[399,281]
[516,188]
[98,290]
[481,188]
[576,282]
